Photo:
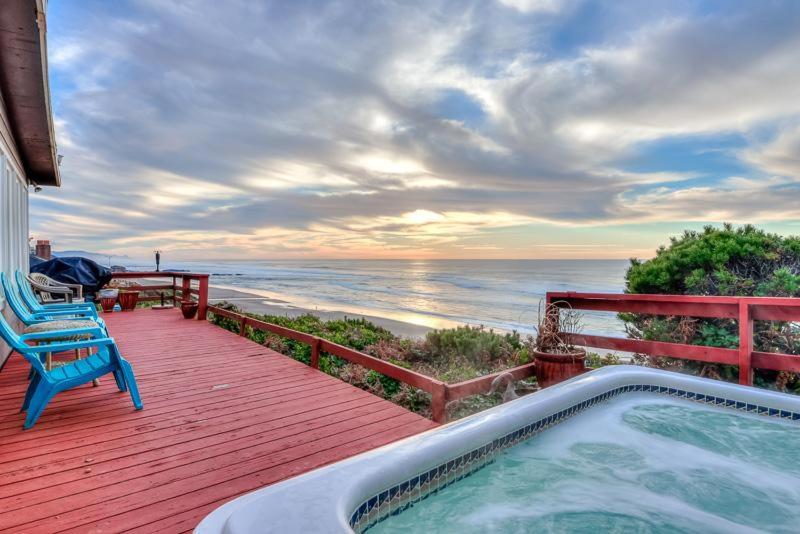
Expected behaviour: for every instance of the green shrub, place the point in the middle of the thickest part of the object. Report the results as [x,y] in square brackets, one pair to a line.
[450,355]
[743,261]
[721,261]
[595,360]
[465,352]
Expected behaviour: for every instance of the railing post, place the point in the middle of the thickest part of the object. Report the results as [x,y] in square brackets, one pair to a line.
[186,284]
[243,326]
[745,344]
[439,404]
[315,353]
[174,291]
[202,298]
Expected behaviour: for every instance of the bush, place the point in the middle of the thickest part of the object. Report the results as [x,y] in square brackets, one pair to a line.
[465,352]
[450,355]
[743,261]
[595,360]
[721,261]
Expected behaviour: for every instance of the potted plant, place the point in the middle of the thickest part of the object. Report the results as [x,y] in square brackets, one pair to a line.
[108,297]
[128,299]
[557,358]
[188,308]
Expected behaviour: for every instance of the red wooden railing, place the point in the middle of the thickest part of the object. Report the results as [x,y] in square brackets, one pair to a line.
[745,310]
[441,392]
[181,286]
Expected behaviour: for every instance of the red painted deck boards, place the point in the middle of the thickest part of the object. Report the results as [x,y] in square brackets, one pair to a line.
[223,416]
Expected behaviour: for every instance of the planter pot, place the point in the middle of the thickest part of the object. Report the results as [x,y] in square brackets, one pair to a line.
[554,368]
[189,309]
[108,293]
[107,303]
[128,300]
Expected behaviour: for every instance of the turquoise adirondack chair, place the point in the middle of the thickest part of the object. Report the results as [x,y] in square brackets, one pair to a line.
[30,317]
[50,321]
[30,300]
[45,384]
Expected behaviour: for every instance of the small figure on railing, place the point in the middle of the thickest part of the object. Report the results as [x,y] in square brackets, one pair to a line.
[158,260]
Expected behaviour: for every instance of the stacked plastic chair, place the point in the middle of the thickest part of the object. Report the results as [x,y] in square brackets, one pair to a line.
[44,384]
[84,309]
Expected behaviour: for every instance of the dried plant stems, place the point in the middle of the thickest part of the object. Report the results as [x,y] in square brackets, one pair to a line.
[558,322]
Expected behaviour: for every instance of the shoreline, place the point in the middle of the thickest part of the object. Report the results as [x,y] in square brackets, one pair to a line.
[251,301]
[254,303]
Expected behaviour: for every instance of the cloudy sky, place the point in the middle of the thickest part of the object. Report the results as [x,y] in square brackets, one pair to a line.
[493,128]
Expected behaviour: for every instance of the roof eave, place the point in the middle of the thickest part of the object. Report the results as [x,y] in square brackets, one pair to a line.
[25,87]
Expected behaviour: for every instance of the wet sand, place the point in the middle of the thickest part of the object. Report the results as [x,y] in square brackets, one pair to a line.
[252,303]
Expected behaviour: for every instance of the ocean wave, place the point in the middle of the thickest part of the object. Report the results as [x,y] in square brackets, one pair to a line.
[498,294]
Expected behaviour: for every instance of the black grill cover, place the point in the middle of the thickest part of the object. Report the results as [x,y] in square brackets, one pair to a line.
[75,270]
[34,260]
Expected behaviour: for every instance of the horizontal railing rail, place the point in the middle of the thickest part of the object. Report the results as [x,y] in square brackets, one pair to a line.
[183,286]
[744,310]
[441,393]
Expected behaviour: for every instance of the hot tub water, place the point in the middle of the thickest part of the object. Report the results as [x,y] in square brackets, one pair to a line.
[640,462]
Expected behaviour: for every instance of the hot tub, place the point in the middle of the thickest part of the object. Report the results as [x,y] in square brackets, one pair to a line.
[620,448]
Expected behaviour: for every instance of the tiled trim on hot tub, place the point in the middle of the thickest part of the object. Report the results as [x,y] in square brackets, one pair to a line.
[394,500]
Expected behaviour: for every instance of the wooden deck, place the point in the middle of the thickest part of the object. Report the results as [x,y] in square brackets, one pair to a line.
[222,416]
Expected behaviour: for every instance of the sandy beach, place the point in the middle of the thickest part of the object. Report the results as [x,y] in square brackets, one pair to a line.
[254,303]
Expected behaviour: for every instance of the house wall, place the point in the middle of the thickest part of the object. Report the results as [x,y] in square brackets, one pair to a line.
[13,216]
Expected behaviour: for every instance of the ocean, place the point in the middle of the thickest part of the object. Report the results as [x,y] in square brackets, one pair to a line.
[500,294]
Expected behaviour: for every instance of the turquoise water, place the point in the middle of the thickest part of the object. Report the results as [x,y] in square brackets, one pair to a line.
[640,463]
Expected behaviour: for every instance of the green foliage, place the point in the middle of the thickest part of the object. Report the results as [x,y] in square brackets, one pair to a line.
[721,261]
[735,261]
[717,334]
[474,343]
[781,283]
[595,360]
[466,352]
[450,355]
[455,354]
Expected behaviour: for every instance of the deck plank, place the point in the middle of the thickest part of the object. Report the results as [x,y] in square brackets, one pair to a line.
[223,416]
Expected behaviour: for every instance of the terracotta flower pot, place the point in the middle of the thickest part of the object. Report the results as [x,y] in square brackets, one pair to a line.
[189,309]
[554,368]
[107,303]
[128,300]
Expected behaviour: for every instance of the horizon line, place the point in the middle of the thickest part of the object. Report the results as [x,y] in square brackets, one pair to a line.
[398,259]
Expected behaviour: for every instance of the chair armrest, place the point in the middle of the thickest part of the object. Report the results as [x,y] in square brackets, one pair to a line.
[77,289]
[58,290]
[69,345]
[66,314]
[68,305]
[95,331]
[76,307]
[69,311]
[74,318]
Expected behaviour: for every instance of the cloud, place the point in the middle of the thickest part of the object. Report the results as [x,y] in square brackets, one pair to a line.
[330,129]
[419,230]
[529,6]
[780,156]
[738,200]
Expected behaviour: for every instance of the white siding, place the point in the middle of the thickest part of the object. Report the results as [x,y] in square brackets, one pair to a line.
[13,228]
[14,220]
[13,216]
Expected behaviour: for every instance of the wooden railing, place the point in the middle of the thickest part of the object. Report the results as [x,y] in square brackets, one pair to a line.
[178,287]
[441,392]
[744,310]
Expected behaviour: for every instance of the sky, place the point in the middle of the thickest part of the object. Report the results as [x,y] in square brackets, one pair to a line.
[418,129]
